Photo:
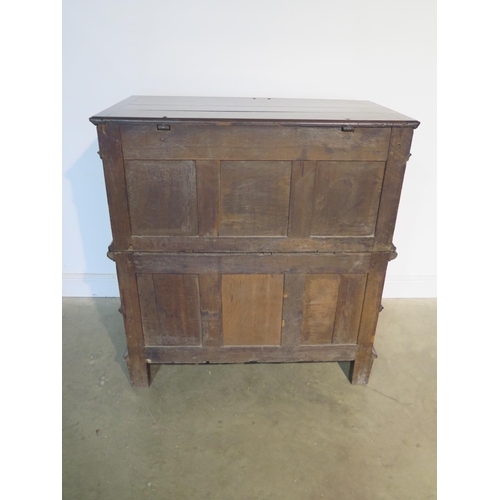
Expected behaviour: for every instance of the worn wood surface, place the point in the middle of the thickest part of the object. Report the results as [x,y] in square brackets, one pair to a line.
[211,309]
[349,306]
[149,310]
[208,183]
[131,311]
[248,109]
[362,365]
[320,304]
[254,198]
[255,244]
[178,306]
[346,198]
[189,141]
[352,263]
[301,198]
[293,301]
[110,150]
[162,197]
[251,230]
[399,153]
[250,354]
[252,309]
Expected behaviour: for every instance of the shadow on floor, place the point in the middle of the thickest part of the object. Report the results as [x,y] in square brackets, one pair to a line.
[112,321]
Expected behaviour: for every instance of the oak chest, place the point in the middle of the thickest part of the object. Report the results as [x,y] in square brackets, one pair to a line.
[251,230]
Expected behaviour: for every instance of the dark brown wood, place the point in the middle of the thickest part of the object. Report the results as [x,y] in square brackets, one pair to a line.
[208,182]
[320,304]
[346,198]
[255,244]
[211,309]
[254,198]
[349,307]
[399,151]
[318,263]
[110,148]
[362,365]
[293,299]
[301,198]
[252,309]
[249,230]
[178,309]
[248,109]
[162,197]
[188,141]
[149,310]
[250,354]
[131,311]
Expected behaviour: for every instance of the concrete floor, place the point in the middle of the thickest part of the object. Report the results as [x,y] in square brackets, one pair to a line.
[245,432]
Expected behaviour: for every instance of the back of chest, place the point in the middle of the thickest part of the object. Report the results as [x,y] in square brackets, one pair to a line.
[242,240]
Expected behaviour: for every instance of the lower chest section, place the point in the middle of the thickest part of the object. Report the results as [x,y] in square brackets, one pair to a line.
[250,307]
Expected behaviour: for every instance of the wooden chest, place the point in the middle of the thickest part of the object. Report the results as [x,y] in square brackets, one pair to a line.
[248,230]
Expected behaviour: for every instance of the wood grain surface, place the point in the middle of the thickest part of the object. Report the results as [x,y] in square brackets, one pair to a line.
[262,110]
[251,263]
[131,312]
[399,153]
[249,230]
[254,198]
[110,150]
[208,184]
[293,303]
[162,197]
[349,307]
[302,198]
[211,309]
[188,141]
[252,309]
[250,244]
[170,305]
[250,354]
[362,365]
[346,198]
[320,304]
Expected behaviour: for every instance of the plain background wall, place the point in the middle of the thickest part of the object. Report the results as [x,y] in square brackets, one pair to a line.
[383,51]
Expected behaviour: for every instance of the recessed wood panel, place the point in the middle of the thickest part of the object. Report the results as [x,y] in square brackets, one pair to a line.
[252,309]
[255,198]
[319,307]
[170,309]
[346,198]
[162,197]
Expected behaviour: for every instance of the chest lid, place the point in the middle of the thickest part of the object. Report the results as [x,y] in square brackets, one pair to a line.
[251,109]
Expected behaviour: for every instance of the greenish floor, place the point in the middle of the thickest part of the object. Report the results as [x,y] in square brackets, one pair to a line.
[237,432]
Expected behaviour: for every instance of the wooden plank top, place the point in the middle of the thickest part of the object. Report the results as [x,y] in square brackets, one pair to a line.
[251,109]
